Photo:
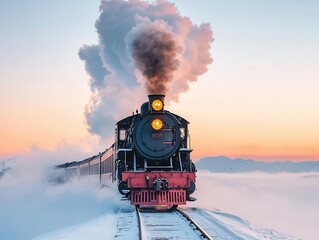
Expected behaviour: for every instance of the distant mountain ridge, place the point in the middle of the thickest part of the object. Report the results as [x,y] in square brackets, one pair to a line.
[228,165]
[4,167]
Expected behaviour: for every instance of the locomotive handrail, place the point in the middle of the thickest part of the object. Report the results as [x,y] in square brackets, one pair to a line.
[158,167]
[186,149]
[124,150]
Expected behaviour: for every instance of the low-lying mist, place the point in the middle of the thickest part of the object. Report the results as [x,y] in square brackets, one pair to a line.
[283,201]
[30,205]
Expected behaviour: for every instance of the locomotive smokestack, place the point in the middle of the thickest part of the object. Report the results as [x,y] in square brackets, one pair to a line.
[156,103]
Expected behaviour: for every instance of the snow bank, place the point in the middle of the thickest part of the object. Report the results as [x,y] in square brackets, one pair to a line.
[285,202]
[102,226]
[31,206]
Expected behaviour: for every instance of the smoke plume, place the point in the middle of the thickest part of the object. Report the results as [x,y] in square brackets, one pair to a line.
[143,48]
[154,53]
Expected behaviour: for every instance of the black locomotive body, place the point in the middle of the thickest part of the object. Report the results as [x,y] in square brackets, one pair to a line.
[150,159]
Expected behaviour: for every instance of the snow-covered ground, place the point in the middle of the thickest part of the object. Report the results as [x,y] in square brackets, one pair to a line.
[286,202]
[224,226]
[267,206]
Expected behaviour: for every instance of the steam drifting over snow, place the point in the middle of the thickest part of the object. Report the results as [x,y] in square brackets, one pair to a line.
[131,32]
[30,205]
[287,202]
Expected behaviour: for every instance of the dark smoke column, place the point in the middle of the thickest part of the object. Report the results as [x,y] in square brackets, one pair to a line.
[154,51]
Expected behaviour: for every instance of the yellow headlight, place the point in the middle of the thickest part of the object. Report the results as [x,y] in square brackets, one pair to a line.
[157,105]
[157,124]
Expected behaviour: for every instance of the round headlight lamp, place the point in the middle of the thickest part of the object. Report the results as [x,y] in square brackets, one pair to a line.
[157,105]
[157,124]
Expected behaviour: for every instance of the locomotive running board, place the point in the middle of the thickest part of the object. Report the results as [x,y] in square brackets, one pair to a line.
[177,180]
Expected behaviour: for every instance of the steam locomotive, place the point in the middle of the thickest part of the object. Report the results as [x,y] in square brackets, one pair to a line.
[149,160]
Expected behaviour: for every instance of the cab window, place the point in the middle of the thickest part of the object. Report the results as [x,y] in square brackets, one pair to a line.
[122,134]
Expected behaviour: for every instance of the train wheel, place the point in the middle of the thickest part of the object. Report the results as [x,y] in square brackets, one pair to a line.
[122,187]
[175,206]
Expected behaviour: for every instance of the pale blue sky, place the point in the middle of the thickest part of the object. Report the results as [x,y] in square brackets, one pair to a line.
[266,56]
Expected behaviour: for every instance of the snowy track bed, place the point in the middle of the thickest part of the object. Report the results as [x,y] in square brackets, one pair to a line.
[127,224]
[157,224]
[224,226]
[123,223]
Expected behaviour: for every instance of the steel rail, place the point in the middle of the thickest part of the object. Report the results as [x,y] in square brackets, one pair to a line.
[139,223]
[204,234]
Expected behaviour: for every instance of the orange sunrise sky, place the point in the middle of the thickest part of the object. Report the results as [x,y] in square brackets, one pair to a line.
[259,98]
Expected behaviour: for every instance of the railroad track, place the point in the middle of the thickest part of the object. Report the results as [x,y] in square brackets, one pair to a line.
[168,224]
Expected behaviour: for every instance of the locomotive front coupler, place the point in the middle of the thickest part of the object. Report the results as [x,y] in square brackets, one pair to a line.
[160,184]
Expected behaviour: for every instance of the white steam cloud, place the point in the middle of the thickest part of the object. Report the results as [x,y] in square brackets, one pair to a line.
[143,48]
